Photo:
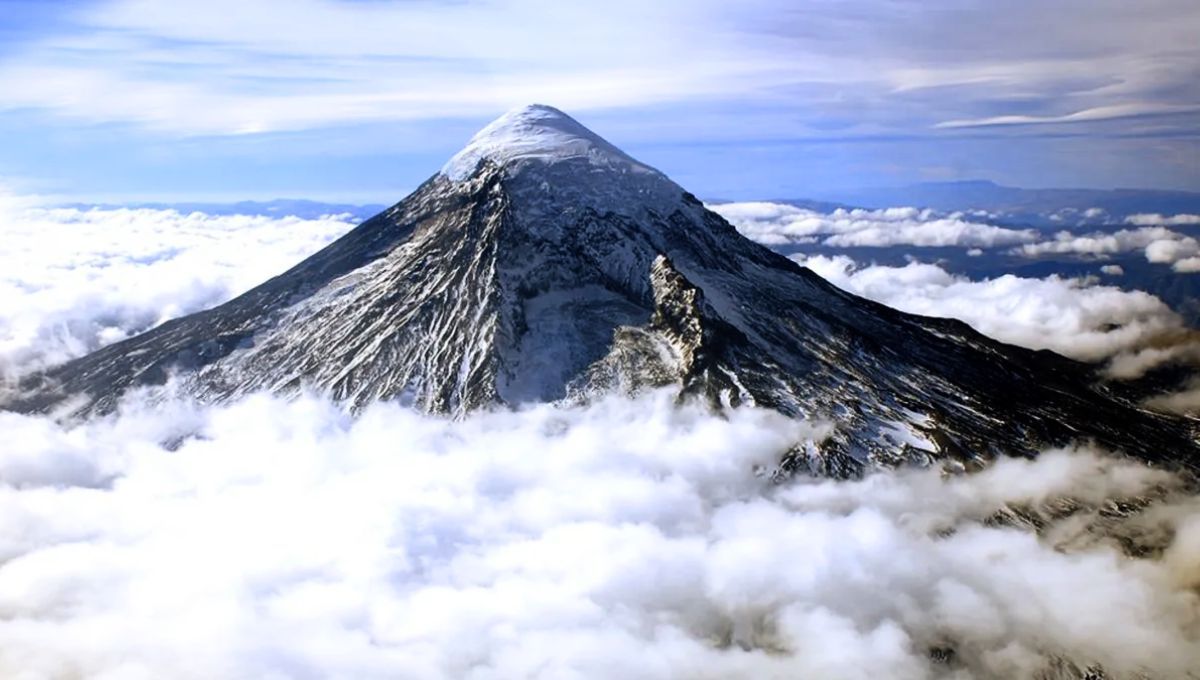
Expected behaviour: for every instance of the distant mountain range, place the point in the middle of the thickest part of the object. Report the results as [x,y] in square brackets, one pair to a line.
[280,207]
[1034,204]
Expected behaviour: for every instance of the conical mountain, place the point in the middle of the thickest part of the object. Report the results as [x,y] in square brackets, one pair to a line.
[542,263]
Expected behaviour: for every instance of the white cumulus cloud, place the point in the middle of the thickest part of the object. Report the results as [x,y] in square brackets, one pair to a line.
[625,539]
[73,280]
[1155,219]
[1159,244]
[782,224]
[1074,317]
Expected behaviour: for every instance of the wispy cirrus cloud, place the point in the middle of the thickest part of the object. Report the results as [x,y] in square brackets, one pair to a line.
[1110,112]
[798,98]
[184,67]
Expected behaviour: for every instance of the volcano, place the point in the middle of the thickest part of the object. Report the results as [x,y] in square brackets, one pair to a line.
[543,264]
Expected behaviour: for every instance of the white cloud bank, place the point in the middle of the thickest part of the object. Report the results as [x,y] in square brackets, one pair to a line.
[782,224]
[74,280]
[629,539]
[1154,219]
[779,224]
[1074,317]
[1159,244]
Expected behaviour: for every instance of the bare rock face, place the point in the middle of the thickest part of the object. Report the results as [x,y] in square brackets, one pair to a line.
[701,340]
[543,264]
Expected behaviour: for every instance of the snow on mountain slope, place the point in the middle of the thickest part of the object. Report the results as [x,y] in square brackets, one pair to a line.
[543,264]
[541,133]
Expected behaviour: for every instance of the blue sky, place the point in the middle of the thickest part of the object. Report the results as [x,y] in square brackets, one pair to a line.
[360,100]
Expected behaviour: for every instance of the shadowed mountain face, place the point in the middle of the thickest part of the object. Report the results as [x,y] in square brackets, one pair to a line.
[543,264]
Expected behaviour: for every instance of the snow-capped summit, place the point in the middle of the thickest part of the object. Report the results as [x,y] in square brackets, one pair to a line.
[543,264]
[537,132]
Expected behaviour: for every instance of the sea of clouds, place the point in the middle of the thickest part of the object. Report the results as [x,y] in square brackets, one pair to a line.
[73,280]
[780,224]
[783,224]
[1130,330]
[274,538]
[626,539]
[1075,317]
[1158,244]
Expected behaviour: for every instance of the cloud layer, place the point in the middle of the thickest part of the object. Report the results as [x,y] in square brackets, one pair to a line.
[1150,219]
[1074,317]
[1159,244]
[73,280]
[627,539]
[781,224]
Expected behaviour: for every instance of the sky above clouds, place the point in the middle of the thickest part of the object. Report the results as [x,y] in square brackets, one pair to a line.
[361,100]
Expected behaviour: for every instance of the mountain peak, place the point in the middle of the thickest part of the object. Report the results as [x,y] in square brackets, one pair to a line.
[540,133]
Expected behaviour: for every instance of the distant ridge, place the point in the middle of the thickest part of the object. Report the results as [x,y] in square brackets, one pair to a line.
[986,195]
[280,207]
